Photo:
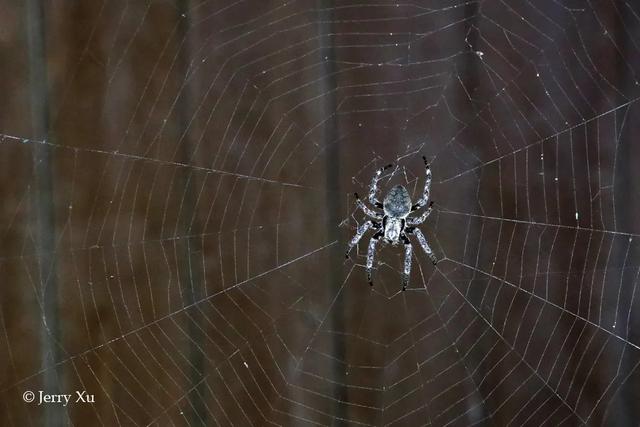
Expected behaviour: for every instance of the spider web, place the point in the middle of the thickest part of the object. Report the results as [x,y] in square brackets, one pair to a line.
[173,242]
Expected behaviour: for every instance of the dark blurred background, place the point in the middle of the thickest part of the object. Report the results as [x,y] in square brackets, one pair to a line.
[177,176]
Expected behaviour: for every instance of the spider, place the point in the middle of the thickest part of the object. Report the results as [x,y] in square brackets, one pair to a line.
[394,223]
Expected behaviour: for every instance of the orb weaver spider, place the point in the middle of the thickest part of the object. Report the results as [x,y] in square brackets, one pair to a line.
[394,223]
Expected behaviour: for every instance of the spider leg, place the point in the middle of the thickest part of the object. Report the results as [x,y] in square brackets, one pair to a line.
[359,233]
[373,189]
[371,254]
[422,201]
[420,219]
[366,209]
[408,250]
[423,243]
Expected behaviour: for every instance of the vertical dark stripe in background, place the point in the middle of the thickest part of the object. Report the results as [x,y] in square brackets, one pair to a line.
[191,278]
[470,69]
[43,210]
[622,411]
[335,271]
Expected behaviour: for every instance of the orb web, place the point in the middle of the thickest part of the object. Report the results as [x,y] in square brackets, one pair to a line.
[202,202]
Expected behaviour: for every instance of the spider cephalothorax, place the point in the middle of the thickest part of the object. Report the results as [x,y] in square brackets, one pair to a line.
[394,223]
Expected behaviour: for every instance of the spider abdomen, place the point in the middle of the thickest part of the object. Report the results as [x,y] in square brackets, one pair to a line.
[397,203]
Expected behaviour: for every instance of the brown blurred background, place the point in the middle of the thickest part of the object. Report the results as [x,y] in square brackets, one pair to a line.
[177,177]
